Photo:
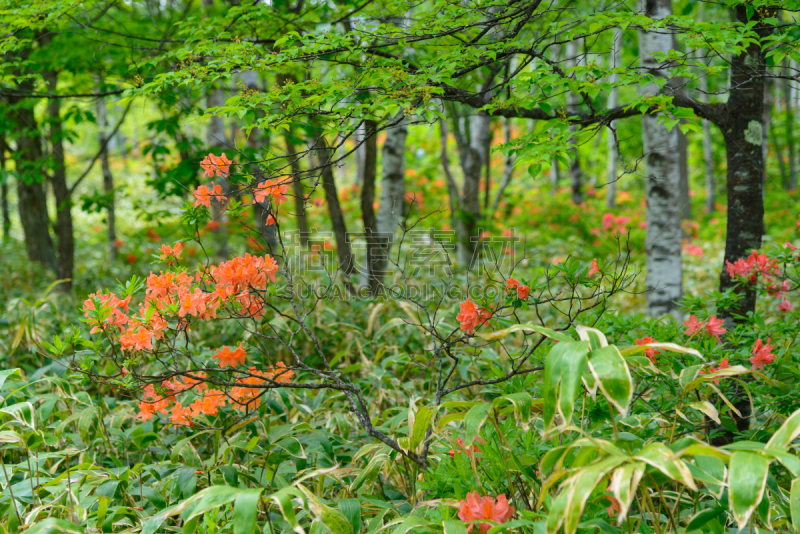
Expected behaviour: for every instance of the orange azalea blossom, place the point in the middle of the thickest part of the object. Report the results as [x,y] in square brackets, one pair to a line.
[245,271]
[475,508]
[270,220]
[136,339]
[270,188]
[471,316]
[219,165]
[193,303]
[168,251]
[181,416]
[650,353]
[594,268]
[209,403]
[228,358]
[204,195]
[511,284]
[281,373]
[153,403]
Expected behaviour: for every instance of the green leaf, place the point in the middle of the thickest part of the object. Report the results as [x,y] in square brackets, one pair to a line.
[563,369]
[547,332]
[613,376]
[283,499]
[595,337]
[330,517]
[704,516]
[452,526]
[747,478]
[351,509]
[787,433]
[370,472]
[22,413]
[794,504]
[421,422]
[53,525]
[5,374]
[245,510]
[521,401]
[474,420]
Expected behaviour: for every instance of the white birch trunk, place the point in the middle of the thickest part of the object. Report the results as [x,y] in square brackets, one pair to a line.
[108,178]
[663,242]
[393,185]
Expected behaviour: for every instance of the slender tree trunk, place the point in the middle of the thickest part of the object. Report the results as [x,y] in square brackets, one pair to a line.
[393,184]
[767,120]
[299,190]
[661,147]
[334,208]
[108,178]
[4,190]
[372,272]
[683,169]
[554,173]
[452,187]
[64,228]
[508,169]
[472,164]
[31,193]
[611,141]
[361,149]
[789,109]
[217,141]
[708,154]
[743,140]
[573,107]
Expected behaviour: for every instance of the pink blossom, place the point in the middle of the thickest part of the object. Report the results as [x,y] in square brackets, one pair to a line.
[761,354]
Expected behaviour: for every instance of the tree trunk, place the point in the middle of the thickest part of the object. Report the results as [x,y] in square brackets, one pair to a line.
[508,169]
[661,147]
[767,116]
[217,142]
[334,208]
[554,175]
[373,269]
[4,190]
[573,107]
[452,187]
[393,184]
[789,110]
[708,154]
[611,141]
[64,228]
[108,178]
[744,135]
[683,169]
[31,194]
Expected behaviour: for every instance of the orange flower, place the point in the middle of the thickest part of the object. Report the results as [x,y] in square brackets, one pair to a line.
[193,303]
[280,373]
[181,416]
[269,188]
[209,403]
[204,195]
[476,508]
[139,339]
[270,220]
[216,165]
[594,269]
[167,251]
[230,359]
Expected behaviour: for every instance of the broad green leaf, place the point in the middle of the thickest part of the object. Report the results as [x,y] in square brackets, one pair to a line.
[351,509]
[660,456]
[421,422]
[330,517]
[22,413]
[522,406]
[5,374]
[53,525]
[624,482]
[473,421]
[563,369]
[580,486]
[747,478]
[613,377]
[669,347]
[787,433]
[704,516]
[370,472]
[245,510]
[707,408]
[452,526]
[794,504]
[595,337]
[283,499]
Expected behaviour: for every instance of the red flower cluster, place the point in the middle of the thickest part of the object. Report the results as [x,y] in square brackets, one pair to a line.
[712,328]
[615,224]
[204,195]
[522,290]
[755,264]
[269,188]
[762,354]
